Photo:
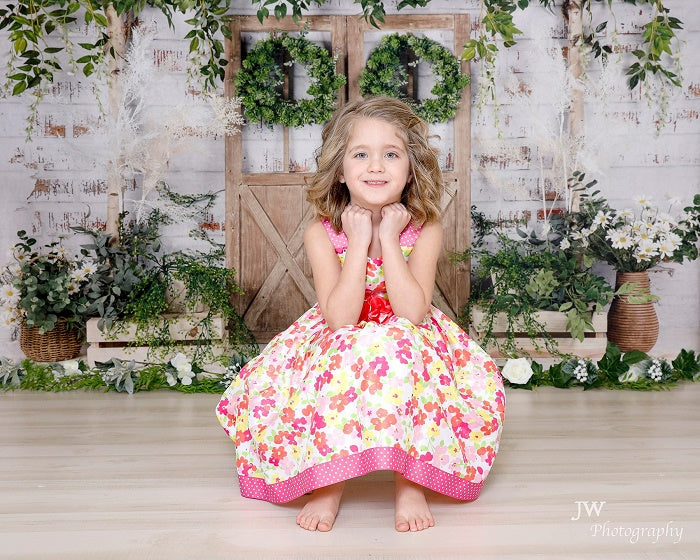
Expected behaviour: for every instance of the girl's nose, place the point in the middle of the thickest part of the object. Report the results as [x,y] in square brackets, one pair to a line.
[376,163]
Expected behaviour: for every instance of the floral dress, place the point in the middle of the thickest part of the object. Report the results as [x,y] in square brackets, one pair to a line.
[318,406]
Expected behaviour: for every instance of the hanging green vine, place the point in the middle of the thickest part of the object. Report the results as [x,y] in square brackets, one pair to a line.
[32,25]
[655,57]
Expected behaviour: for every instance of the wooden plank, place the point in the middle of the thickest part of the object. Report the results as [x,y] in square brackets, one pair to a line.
[409,22]
[264,295]
[146,354]
[316,23]
[278,243]
[587,348]
[274,179]
[356,56]
[181,327]
[339,50]
[554,321]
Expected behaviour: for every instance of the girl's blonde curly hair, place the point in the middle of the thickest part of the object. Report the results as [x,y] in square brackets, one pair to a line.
[421,195]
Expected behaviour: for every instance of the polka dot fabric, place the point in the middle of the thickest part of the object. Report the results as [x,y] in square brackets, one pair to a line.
[339,240]
[319,406]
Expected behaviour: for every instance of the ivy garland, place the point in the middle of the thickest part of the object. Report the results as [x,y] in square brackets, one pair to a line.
[384,74]
[260,77]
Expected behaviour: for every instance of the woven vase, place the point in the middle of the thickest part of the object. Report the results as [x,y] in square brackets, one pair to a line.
[633,326]
[56,345]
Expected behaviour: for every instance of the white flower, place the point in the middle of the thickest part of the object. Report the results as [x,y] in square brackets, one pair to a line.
[73,288]
[645,251]
[183,367]
[674,238]
[9,293]
[663,226]
[181,363]
[634,373]
[78,276]
[626,214]
[71,367]
[644,200]
[665,247]
[620,239]
[601,219]
[9,318]
[517,371]
[186,377]
[645,234]
[88,268]
[20,255]
[673,200]
[170,378]
[564,245]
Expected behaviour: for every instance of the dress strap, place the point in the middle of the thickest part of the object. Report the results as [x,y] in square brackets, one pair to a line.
[339,239]
[409,235]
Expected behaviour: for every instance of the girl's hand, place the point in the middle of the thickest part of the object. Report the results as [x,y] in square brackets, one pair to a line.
[357,225]
[395,218]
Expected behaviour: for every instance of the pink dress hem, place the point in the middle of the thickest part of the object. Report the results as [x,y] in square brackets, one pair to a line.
[360,464]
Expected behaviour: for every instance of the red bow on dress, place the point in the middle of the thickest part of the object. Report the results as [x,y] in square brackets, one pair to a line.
[375,308]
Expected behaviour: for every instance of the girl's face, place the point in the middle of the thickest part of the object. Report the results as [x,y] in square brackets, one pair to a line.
[376,165]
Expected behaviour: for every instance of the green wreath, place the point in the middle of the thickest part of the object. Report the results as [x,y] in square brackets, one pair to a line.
[257,82]
[384,74]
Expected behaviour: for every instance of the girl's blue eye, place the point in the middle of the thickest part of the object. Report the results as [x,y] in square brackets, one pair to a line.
[392,155]
[361,155]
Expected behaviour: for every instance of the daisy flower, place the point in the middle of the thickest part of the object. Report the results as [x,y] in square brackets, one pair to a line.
[9,293]
[88,269]
[620,239]
[601,219]
[625,214]
[666,248]
[645,251]
[643,200]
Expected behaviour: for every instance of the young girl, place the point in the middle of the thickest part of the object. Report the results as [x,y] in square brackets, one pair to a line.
[373,377]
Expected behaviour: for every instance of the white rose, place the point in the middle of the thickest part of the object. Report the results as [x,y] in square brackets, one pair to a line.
[185,377]
[517,371]
[634,373]
[71,367]
[181,363]
[170,378]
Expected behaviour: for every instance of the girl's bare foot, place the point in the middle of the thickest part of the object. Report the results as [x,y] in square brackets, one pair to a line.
[319,513]
[412,511]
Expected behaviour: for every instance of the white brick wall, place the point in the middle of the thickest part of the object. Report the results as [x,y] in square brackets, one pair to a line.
[55,180]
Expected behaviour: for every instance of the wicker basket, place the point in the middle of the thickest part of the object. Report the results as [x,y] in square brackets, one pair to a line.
[58,344]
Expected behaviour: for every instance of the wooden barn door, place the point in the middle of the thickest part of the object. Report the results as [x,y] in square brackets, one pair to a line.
[266,213]
[452,282]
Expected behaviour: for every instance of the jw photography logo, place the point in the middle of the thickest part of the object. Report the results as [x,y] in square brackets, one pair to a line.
[592,510]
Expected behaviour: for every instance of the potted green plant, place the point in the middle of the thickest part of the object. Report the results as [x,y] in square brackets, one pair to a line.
[530,296]
[132,297]
[633,241]
[45,296]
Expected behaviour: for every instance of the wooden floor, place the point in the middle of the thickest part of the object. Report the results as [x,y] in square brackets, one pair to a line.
[150,476]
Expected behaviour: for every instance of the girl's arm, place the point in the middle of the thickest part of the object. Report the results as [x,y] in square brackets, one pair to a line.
[340,290]
[409,284]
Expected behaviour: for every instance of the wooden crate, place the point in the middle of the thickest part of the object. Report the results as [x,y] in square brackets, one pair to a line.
[183,328]
[592,346]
